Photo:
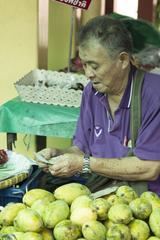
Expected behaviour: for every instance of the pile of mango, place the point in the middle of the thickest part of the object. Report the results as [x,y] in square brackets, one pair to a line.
[71,213]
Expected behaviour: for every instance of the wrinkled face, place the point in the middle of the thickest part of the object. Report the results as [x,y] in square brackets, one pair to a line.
[105,72]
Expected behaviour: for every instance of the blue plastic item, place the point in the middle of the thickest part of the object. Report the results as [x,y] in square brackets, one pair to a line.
[15,193]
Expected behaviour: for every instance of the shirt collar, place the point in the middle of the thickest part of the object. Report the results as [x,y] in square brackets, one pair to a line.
[126,99]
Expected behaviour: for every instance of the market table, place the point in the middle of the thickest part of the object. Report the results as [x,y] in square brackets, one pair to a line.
[42,120]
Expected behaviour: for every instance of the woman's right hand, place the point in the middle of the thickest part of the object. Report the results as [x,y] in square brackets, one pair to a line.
[46,153]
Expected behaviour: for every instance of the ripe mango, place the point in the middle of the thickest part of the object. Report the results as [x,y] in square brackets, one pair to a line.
[94,230]
[126,193]
[55,212]
[18,235]
[66,230]
[114,199]
[28,220]
[154,222]
[81,201]
[118,232]
[32,236]
[148,195]
[108,223]
[101,207]
[81,215]
[34,194]
[141,208]
[68,192]
[7,229]
[9,212]
[47,234]
[120,213]
[40,205]
[153,238]
[139,229]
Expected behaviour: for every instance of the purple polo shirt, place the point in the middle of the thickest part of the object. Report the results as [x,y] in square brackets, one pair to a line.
[100,136]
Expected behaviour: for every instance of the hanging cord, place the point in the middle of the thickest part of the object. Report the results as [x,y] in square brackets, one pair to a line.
[71,37]
[27,141]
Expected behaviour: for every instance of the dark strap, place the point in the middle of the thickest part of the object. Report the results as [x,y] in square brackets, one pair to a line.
[135,123]
[135,115]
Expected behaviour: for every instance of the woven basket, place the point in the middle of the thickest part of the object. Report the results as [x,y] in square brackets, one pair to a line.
[52,87]
[13,180]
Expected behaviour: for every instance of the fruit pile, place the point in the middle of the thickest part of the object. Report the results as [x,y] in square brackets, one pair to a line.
[71,213]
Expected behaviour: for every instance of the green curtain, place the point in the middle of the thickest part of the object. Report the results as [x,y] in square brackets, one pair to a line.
[143,32]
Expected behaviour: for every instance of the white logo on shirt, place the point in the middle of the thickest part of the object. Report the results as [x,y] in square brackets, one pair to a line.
[97,131]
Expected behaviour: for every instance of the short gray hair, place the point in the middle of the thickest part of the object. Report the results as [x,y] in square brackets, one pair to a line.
[109,32]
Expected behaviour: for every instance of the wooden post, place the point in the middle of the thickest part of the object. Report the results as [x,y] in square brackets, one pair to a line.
[109,6]
[43,11]
[145,10]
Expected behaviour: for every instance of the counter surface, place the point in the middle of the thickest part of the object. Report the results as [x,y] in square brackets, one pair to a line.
[17,116]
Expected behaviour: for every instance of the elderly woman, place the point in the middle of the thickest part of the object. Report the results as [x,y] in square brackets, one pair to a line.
[102,140]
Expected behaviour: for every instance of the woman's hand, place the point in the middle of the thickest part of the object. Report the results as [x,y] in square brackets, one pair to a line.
[66,165]
[47,154]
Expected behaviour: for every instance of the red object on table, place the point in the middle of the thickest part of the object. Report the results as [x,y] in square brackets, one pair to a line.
[3,156]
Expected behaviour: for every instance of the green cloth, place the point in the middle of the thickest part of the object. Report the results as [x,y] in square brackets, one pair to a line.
[143,32]
[17,116]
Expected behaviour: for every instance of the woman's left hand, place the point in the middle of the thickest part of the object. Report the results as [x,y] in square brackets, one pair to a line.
[66,165]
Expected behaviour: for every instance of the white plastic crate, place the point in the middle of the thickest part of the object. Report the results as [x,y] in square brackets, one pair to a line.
[52,87]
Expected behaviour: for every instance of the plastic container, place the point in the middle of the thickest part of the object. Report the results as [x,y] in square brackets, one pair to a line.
[51,87]
[15,193]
